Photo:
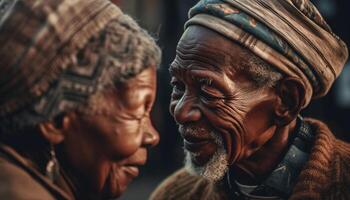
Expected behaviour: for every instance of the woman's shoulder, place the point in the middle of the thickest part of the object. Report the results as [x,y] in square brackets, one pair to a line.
[17,184]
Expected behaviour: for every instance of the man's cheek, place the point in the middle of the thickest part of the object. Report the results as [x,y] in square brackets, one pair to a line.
[259,118]
[172,106]
[224,116]
[228,124]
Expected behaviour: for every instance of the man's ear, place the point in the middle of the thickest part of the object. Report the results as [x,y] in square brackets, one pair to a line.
[291,96]
[55,132]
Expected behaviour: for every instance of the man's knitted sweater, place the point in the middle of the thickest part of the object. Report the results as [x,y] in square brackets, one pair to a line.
[325,176]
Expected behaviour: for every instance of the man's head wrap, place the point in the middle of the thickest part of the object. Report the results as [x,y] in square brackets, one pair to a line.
[288,34]
[41,45]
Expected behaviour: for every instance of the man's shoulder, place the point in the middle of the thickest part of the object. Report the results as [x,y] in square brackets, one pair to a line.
[176,186]
[182,185]
[17,184]
[341,160]
[327,173]
[335,152]
[339,173]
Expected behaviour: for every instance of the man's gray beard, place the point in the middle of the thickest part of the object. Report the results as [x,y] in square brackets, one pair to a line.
[215,169]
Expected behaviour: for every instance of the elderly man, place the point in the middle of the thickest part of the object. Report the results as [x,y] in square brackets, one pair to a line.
[243,72]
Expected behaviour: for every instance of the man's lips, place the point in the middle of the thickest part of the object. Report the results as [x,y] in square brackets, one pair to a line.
[196,146]
[197,138]
[196,142]
[202,150]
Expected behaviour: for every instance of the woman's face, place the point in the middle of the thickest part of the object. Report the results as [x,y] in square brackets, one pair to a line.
[106,148]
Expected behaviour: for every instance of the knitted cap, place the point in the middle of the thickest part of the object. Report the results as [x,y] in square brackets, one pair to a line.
[40,44]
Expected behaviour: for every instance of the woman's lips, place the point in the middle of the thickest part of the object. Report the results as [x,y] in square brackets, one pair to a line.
[123,172]
[132,171]
[119,179]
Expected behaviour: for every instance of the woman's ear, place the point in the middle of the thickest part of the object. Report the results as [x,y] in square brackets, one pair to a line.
[55,132]
[291,96]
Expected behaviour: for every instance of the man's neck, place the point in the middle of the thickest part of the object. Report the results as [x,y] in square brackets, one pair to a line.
[253,170]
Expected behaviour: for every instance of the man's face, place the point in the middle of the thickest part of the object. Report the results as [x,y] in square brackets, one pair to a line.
[108,146]
[220,112]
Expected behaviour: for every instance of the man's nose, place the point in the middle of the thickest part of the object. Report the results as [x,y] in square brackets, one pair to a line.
[186,109]
[151,135]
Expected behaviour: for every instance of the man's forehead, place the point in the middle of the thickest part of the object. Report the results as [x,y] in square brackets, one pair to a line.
[205,39]
[199,44]
[191,53]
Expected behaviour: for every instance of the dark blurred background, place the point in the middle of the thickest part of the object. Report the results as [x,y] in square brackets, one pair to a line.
[164,19]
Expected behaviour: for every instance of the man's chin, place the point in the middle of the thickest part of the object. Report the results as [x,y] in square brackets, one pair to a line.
[213,170]
[202,153]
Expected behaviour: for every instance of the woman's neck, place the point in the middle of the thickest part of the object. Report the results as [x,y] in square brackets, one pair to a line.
[36,152]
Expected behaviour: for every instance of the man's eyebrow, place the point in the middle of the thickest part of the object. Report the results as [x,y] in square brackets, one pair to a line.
[212,76]
[207,80]
[174,68]
[215,78]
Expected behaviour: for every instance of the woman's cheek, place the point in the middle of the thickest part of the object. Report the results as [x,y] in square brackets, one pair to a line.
[126,141]
[126,149]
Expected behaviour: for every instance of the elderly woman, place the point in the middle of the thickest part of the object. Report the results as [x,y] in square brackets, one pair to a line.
[77,84]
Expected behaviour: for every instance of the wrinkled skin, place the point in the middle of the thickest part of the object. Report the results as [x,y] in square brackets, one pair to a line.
[211,93]
[107,148]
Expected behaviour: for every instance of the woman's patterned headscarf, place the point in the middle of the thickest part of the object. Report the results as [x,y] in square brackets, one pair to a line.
[55,54]
[289,34]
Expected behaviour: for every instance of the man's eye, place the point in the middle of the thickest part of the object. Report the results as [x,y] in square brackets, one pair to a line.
[210,94]
[205,81]
[178,87]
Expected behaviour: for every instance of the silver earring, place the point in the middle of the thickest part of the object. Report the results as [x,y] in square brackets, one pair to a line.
[52,167]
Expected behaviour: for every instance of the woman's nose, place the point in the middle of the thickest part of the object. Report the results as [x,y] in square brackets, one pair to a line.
[151,135]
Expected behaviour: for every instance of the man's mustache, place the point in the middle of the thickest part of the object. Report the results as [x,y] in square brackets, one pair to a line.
[194,131]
